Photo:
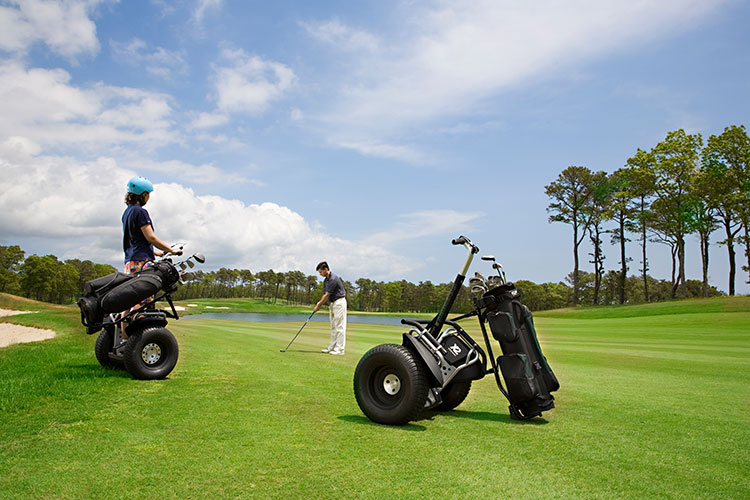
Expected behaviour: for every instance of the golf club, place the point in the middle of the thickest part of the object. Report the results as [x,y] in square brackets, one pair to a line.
[500,271]
[495,281]
[290,343]
[496,266]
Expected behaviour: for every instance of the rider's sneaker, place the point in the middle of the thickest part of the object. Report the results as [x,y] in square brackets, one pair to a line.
[336,352]
[327,350]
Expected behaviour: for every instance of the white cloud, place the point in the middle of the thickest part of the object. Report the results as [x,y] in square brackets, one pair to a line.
[335,33]
[209,120]
[202,6]
[250,83]
[193,174]
[296,114]
[42,105]
[65,27]
[383,150]
[158,61]
[427,223]
[450,56]
[75,207]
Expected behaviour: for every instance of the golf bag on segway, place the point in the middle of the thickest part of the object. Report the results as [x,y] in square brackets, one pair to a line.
[146,349]
[528,377]
[434,367]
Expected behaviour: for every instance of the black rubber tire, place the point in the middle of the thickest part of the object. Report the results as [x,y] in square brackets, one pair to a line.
[454,394]
[394,366]
[103,347]
[150,354]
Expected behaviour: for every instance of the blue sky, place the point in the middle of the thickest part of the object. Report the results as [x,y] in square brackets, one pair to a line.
[368,134]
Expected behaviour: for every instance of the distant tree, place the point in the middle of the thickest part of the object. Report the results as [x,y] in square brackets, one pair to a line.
[675,162]
[11,258]
[556,295]
[66,286]
[623,211]
[533,295]
[704,218]
[570,194]
[48,279]
[392,296]
[86,271]
[726,159]
[662,231]
[366,292]
[641,181]
[103,270]
[246,279]
[597,208]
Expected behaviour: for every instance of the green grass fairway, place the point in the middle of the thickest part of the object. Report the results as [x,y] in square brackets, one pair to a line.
[651,406]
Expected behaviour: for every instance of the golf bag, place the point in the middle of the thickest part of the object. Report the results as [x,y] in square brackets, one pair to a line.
[119,292]
[528,377]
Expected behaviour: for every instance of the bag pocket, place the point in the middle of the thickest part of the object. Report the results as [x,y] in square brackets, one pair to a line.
[502,326]
[130,293]
[518,377]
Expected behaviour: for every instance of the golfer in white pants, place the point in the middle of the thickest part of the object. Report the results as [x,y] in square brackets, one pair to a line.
[334,293]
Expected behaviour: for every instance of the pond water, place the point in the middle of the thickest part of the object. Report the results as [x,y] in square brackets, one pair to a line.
[301,318]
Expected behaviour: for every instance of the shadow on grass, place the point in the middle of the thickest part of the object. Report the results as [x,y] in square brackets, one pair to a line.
[92,371]
[489,417]
[358,419]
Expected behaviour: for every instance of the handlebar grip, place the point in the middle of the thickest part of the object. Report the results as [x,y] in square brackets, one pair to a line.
[459,241]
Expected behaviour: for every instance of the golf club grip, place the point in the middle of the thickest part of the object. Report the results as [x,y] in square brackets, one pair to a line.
[459,241]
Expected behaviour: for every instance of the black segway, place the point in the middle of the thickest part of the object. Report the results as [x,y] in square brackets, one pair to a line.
[147,350]
[434,367]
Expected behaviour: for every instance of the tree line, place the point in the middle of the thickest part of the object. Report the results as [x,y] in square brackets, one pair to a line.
[679,187]
[46,278]
[49,279]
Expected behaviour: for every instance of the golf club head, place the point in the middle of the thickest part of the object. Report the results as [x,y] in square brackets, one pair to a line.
[495,281]
[474,281]
[477,274]
[488,257]
[500,271]
[190,263]
[479,289]
[199,257]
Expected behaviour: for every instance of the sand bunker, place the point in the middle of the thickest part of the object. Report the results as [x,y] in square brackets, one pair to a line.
[16,334]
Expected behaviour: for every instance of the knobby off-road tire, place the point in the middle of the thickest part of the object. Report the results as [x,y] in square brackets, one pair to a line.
[151,353]
[104,343]
[390,385]
[454,394]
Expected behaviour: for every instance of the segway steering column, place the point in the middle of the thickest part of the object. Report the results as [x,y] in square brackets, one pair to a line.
[436,324]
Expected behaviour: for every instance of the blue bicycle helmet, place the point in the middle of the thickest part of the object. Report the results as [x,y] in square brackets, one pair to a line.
[139,185]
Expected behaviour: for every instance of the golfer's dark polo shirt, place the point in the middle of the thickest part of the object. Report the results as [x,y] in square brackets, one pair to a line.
[334,287]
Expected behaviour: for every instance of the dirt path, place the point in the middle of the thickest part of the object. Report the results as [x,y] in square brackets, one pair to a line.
[16,334]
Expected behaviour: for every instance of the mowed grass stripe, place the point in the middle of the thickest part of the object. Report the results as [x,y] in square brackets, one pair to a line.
[239,419]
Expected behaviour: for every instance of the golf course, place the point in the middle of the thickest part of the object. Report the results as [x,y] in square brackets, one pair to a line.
[654,403]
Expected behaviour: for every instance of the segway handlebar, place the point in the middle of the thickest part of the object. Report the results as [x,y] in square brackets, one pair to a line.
[463,240]
[470,247]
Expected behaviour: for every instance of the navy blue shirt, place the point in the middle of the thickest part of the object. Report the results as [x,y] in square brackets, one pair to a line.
[134,244]
[334,287]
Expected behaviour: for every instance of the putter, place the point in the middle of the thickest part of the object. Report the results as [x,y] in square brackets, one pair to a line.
[290,343]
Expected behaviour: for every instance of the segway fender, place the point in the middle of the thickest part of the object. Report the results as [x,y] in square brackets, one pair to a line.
[411,343]
[147,320]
